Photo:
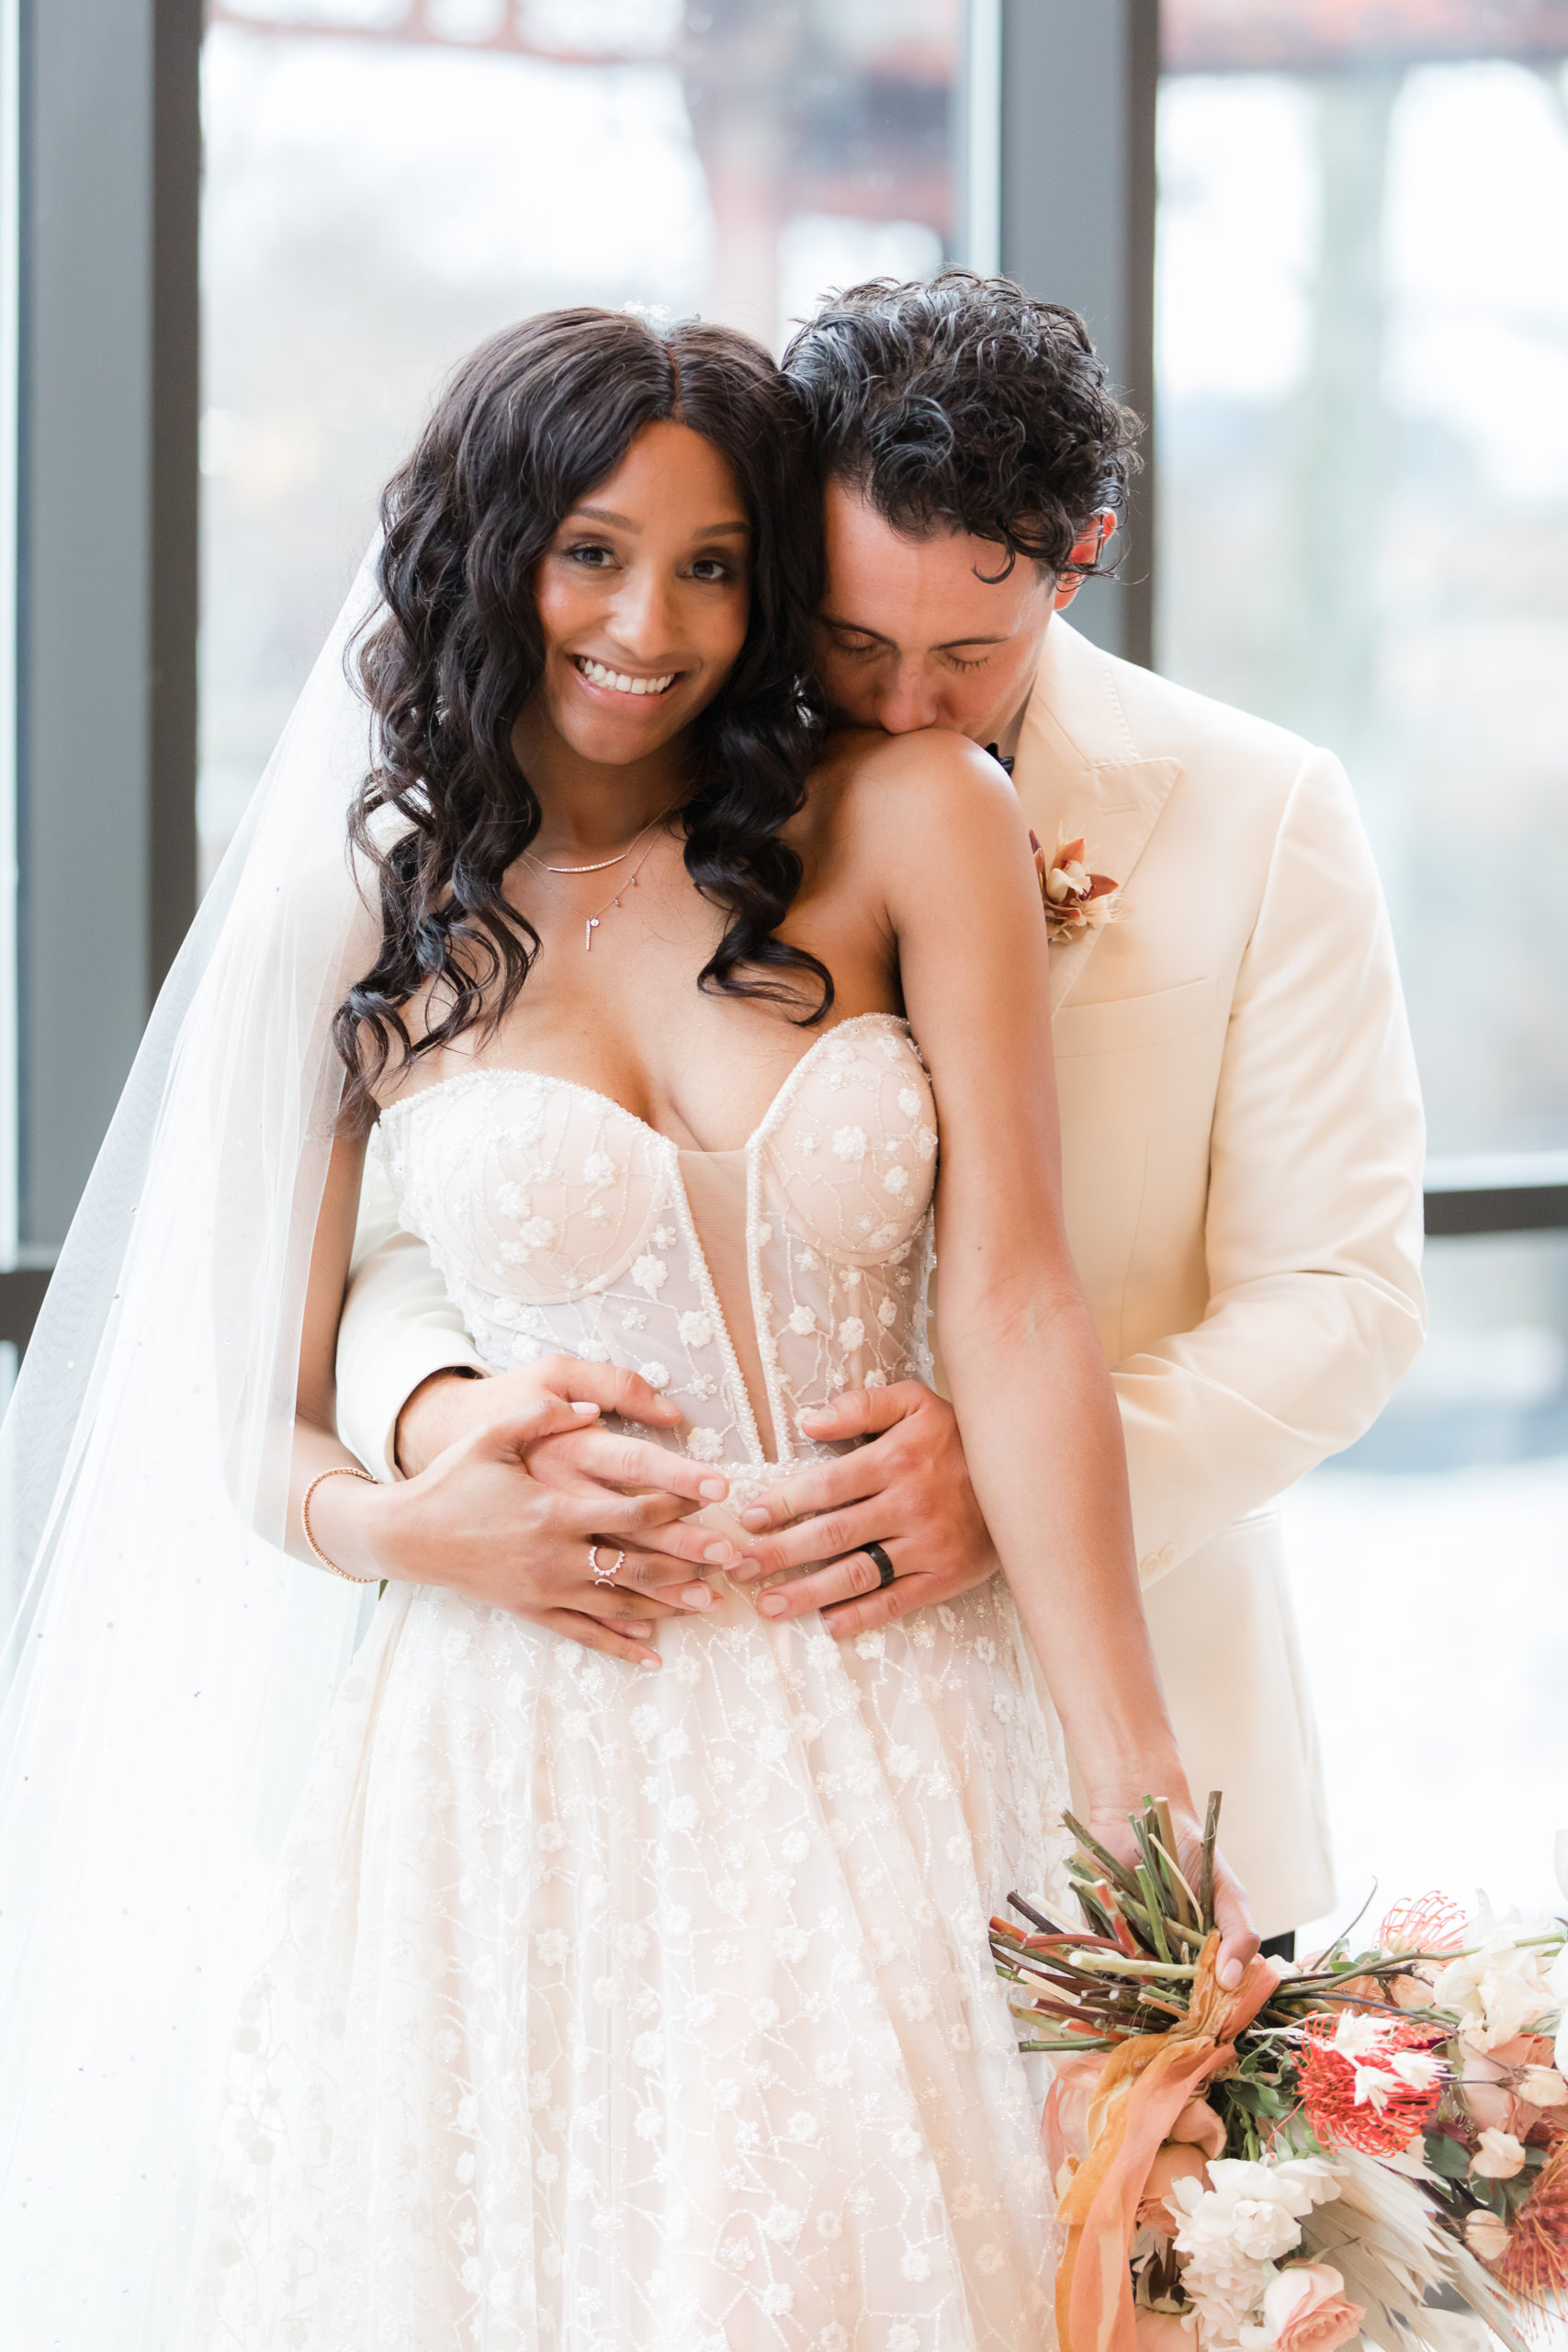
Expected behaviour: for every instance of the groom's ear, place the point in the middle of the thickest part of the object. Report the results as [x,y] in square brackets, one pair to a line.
[1083,554]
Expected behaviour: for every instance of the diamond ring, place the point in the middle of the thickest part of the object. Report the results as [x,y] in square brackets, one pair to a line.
[603,1575]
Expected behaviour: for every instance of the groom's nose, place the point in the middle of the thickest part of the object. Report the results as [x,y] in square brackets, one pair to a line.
[910,700]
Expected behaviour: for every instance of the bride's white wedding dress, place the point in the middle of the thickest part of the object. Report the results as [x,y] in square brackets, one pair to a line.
[614,2009]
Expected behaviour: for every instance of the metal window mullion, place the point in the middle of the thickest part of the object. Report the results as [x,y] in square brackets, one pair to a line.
[10,334]
[980,143]
[1078,89]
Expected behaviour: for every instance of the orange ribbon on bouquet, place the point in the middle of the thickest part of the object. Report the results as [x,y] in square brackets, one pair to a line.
[1143,2086]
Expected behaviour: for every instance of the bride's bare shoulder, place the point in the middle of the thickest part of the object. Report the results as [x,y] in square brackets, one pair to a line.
[866,768]
[872,789]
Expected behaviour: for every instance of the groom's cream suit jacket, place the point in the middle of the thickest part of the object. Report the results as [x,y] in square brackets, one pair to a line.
[1242,1144]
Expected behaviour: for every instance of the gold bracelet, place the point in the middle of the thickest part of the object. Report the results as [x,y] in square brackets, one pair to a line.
[339,1470]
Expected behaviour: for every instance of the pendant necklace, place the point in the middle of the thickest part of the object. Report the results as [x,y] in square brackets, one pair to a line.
[591,922]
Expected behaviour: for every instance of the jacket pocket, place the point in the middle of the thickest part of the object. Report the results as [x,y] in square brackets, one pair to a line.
[1120,1024]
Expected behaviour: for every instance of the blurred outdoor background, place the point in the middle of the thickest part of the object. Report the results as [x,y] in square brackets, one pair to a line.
[1358,375]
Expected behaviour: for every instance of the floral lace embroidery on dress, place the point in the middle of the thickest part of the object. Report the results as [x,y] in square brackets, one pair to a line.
[609,2011]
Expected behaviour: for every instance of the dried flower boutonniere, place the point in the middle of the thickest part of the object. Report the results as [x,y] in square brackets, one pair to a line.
[1074,899]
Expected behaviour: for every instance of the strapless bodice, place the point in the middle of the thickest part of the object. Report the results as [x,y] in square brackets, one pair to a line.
[562,1223]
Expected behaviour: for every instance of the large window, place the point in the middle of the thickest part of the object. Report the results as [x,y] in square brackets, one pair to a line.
[1361,466]
[1362,339]
[386,181]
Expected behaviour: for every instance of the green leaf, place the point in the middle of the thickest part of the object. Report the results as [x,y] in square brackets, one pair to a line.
[1446,2157]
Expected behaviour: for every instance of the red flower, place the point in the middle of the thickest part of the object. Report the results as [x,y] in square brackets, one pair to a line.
[1336,2088]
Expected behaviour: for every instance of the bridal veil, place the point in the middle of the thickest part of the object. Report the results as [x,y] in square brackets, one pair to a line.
[167,1667]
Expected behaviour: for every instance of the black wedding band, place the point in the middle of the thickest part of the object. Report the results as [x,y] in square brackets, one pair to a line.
[886,1571]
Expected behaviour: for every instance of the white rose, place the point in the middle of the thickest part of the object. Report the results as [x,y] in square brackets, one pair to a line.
[1543,2086]
[1500,1985]
[1557,1974]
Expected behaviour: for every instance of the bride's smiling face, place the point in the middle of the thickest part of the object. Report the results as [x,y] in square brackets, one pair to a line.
[642,597]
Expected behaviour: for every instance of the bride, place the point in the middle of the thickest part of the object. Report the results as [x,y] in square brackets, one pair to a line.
[603,2001]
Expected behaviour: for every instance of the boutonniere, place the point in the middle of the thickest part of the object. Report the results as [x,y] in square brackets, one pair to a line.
[1074,899]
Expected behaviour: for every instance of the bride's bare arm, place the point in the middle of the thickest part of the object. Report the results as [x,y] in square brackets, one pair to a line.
[1027,1374]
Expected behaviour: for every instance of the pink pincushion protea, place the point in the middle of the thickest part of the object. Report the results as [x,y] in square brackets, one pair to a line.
[1430,1922]
[1074,899]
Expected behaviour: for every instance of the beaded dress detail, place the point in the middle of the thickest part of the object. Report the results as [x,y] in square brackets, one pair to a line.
[607,2010]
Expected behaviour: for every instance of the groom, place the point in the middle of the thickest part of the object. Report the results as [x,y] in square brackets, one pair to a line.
[1242,1135]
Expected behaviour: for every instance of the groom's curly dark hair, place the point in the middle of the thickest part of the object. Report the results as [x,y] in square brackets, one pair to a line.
[961,402]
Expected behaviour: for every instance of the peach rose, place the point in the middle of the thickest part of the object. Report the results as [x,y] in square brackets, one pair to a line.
[1507,2088]
[1306,2310]
[1065,2125]
[1490,2101]
[1176,2160]
[1198,2125]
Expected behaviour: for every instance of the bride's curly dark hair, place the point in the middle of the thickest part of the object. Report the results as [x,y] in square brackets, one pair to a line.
[532,421]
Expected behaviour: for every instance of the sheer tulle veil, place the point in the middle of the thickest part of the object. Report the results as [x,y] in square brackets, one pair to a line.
[168,1667]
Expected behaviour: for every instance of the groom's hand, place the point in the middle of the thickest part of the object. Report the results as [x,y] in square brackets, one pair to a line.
[908,1490]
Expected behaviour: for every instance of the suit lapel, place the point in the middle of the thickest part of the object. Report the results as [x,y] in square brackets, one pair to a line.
[1078,771]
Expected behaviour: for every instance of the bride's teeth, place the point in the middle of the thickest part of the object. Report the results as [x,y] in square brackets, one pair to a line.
[597,676]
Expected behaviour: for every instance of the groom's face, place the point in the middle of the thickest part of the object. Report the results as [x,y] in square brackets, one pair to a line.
[917,633]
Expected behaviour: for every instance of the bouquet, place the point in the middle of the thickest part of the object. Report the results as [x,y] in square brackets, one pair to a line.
[1271,2168]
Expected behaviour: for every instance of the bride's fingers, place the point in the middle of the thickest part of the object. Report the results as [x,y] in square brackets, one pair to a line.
[657,1580]
[636,1516]
[593,1633]
[1238,1936]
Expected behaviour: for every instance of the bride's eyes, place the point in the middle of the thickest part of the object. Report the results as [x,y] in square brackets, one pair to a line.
[596,555]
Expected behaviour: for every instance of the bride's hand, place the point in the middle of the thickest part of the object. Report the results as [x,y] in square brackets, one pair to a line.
[1238,1936]
[479,1521]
